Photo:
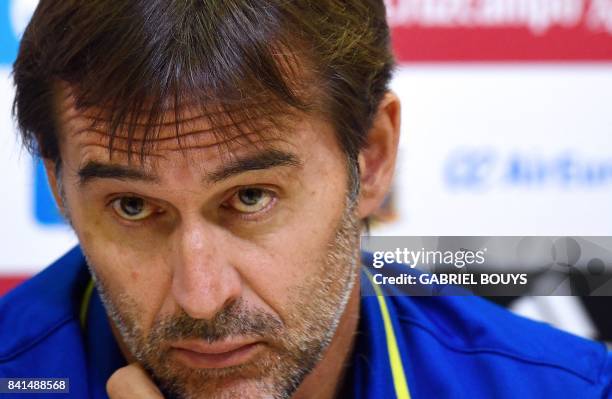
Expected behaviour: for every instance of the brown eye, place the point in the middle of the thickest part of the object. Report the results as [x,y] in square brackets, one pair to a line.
[132,208]
[250,200]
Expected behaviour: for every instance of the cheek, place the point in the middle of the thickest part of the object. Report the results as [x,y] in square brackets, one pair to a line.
[123,272]
[128,263]
[295,253]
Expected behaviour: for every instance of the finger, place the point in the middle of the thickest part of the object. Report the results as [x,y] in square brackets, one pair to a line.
[132,382]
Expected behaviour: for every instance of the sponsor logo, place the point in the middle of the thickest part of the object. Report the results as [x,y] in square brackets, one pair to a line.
[538,16]
[501,30]
[483,169]
[470,168]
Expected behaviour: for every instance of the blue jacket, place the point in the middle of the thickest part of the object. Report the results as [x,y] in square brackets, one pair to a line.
[407,346]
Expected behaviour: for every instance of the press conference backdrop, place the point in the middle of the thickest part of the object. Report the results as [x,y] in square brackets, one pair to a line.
[507,126]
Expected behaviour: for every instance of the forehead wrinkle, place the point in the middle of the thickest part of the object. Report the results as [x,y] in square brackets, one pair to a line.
[239,162]
[201,137]
[192,136]
[260,118]
[119,151]
[216,117]
[247,126]
[67,96]
[209,112]
[226,152]
[94,139]
[197,132]
[105,136]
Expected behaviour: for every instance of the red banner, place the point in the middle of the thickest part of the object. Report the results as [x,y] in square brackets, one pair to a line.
[501,30]
[9,282]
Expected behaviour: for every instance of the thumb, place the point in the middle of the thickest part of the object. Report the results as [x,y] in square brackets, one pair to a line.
[132,382]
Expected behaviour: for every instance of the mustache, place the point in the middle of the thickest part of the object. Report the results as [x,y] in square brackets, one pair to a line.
[235,319]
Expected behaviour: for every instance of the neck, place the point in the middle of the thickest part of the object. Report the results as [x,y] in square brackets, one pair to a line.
[326,379]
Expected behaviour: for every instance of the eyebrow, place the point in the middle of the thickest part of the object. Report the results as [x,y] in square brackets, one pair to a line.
[268,159]
[93,170]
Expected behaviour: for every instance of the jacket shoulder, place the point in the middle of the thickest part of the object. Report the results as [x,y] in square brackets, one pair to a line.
[473,325]
[43,308]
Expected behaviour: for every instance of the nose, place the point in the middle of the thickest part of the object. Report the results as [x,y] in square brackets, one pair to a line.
[204,280]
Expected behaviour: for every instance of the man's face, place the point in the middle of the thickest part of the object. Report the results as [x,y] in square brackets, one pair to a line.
[226,267]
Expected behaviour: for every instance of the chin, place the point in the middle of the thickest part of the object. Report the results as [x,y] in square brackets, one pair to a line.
[230,389]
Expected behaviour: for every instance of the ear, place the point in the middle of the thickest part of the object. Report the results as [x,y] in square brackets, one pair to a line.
[53,179]
[377,158]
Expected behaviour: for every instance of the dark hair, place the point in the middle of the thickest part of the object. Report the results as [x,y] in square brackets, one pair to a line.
[243,57]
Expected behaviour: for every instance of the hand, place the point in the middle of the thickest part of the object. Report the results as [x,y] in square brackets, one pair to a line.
[132,382]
